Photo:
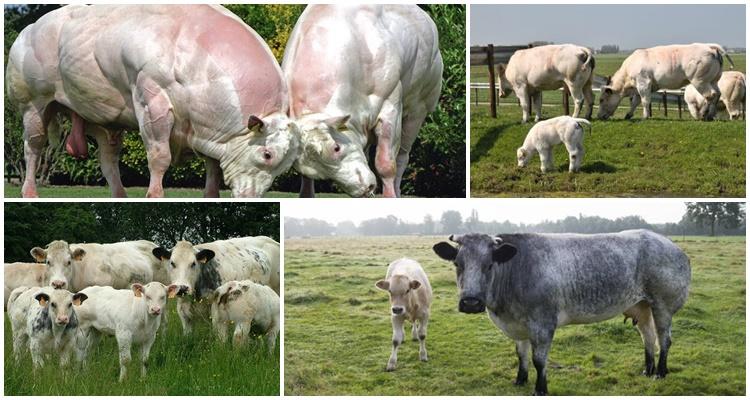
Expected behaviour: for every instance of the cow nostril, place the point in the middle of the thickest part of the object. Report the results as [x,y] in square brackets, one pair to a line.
[397,310]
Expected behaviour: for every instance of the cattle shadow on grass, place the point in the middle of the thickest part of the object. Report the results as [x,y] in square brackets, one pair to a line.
[598,167]
[487,141]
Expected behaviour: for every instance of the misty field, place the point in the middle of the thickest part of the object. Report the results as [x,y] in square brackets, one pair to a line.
[194,365]
[338,330]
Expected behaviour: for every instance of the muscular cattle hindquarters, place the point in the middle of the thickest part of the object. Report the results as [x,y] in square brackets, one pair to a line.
[531,284]
[359,76]
[166,70]
[551,67]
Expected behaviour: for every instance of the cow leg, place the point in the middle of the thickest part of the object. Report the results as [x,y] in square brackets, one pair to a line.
[522,351]
[537,103]
[65,352]
[663,324]
[576,91]
[397,321]
[153,110]
[647,330]
[388,133]
[271,340]
[643,87]
[241,332]
[541,342]
[525,100]
[183,311]
[213,178]
[19,342]
[34,140]
[307,188]
[635,100]
[124,340]
[110,145]
[409,131]
[575,154]
[423,338]
[588,97]
[36,348]
[145,353]
[545,157]
[414,334]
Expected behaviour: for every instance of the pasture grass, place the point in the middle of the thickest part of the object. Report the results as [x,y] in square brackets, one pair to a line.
[14,191]
[179,365]
[658,157]
[338,330]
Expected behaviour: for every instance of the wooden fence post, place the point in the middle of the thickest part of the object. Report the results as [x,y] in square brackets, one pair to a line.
[679,105]
[566,100]
[493,92]
[664,101]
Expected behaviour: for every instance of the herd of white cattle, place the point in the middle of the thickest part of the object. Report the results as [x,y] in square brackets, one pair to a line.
[77,292]
[697,67]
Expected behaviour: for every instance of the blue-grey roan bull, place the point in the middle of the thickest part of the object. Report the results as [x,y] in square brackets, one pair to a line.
[531,284]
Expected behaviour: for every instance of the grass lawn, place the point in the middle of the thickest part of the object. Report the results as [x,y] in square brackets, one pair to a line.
[194,365]
[13,191]
[653,158]
[338,330]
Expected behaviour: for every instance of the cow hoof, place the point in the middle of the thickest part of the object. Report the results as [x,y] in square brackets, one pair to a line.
[520,382]
[539,393]
[423,358]
[390,368]
[660,376]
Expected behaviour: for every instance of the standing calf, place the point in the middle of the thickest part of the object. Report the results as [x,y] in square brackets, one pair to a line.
[411,296]
[532,284]
[44,317]
[132,316]
[252,307]
[546,134]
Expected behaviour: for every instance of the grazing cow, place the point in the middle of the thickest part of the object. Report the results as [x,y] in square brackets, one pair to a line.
[361,75]
[253,308]
[45,318]
[77,266]
[546,134]
[23,274]
[132,316]
[199,270]
[411,297]
[531,71]
[663,67]
[194,79]
[531,284]
[732,95]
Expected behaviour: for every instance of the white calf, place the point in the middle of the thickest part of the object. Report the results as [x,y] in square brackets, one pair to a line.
[546,134]
[44,317]
[247,304]
[131,315]
[732,95]
[411,296]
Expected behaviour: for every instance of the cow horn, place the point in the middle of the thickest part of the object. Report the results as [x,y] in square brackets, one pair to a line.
[498,240]
[456,238]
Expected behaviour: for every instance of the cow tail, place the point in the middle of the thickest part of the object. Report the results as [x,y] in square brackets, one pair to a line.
[720,53]
[589,60]
[583,121]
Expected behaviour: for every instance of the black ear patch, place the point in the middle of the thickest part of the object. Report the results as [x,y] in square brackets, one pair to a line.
[254,121]
[504,253]
[42,296]
[445,251]
[80,296]
[161,253]
[205,256]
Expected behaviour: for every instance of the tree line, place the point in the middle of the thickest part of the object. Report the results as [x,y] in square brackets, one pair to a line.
[700,219]
[437,154]
[28,225]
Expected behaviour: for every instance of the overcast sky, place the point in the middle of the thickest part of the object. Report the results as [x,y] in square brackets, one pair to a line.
[629,26]
[514,210]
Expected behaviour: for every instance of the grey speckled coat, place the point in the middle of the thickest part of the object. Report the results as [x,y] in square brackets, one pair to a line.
[531,284]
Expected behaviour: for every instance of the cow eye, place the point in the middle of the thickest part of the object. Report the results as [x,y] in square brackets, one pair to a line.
[172,263]
[54,305]
[192,265]
[336,147]
[267,155]
[68,262]
[162,297]
[70,305]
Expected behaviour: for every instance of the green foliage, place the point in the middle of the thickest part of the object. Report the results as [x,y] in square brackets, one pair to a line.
[658,157]
[338,330]
[36,224]
[437,156]
[195,365]
[729,215]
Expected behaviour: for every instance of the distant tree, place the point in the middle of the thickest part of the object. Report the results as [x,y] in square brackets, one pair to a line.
[472,222]
[346,228]
[428,225]
[451,221]
[728,215]
[609,49]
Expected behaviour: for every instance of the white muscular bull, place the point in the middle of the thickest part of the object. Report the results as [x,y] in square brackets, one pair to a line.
[531,71]
[361,75]
[191,78]
[663,67]
[732,95]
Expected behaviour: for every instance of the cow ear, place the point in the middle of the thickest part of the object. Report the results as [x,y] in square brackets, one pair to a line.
[337,123]
[137,289]
[78,254]
[503,253]
[205,256]
[445,251]
[255,123]
[79,298]
[383,285]
[39,254]
[161,253]
[172,291]
[500,68]
[42,298]
[607,89]
[414,285]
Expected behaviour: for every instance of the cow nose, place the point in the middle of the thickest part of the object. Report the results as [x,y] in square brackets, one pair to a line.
[62,320]
[58,284]
[471,305]
[183,290]
[155,310]
[397,310]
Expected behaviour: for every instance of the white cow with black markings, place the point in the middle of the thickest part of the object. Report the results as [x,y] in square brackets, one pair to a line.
[198,270]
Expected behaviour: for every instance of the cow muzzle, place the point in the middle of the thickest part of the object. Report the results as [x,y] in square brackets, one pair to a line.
[470,305]
[155,311]
[397,310]
[62,320]
[58,284]
[183,290]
